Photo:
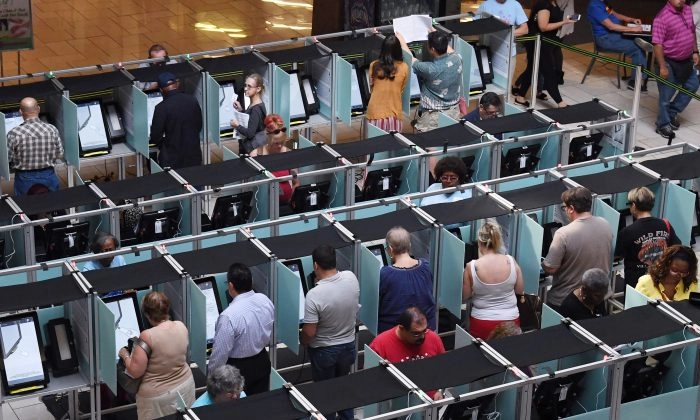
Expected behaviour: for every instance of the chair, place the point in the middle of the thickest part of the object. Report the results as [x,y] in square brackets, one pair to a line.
[597,50]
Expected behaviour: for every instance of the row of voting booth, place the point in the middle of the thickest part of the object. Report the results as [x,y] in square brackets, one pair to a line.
[587,360]
[241,189]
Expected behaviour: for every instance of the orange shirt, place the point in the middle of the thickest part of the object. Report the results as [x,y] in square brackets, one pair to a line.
[386,93]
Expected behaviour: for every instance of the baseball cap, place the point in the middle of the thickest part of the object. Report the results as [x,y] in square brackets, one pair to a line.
[166,79]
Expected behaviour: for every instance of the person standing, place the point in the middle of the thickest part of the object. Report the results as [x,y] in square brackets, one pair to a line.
[177,122]
[33,147]
[330,314]
[642,242]
[243,330]
[410,339]
[510,12]
[155,51]
[388,77]
[676,52]
[586,242]
[407,281]
[441,81]
[492,282]
[608,27]
[253,134]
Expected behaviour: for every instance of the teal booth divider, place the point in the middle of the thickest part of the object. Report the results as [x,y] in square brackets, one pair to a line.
[681,404]
[342,90]
[678,209]
[4,158]
[369,290]
[601,209]
[141,131]
[280,94]
[450,271]
[106,345]
[373,131]
[372,359]
[71,146]
[289,309]
[406,94]
[197,326]
[276,380]
[528,250]
[212,89]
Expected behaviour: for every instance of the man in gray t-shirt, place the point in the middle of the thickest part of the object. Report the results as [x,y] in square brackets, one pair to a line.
[586,242]
[329,320]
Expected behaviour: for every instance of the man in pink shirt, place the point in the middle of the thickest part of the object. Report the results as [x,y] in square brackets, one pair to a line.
[675,49]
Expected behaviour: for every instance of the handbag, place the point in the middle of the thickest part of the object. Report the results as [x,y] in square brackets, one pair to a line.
[530,308]
[127,382]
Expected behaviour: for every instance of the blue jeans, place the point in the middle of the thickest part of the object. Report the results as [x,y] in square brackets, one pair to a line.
[331,362]
[669,109]
[25,179]
[616,43]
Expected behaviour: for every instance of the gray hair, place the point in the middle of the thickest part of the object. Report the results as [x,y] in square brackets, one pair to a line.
[399,240]
[225,379]
[595,280]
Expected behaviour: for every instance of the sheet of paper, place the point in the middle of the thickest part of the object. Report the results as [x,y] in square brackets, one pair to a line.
[242,119]
[414,27]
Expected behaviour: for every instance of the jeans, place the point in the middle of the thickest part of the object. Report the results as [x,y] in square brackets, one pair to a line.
[668,109]
[25,179]
[616,43]
[331,362]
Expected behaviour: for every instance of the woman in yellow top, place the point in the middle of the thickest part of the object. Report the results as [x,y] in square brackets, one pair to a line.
[388,76]
[672,277]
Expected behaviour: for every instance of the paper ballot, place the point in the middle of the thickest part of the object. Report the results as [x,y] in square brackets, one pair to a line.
[242,119]
[414,27]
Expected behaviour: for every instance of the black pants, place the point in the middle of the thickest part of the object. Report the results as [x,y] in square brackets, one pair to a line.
[256,371]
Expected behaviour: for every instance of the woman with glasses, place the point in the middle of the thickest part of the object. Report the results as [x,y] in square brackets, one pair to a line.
[276,134]
[388,77]
[492,282]
[642,242]
[451,172]
[407,281]
[252,134]
[672,277]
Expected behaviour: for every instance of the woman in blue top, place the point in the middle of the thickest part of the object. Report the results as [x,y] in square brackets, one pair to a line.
[451,172]
[408,281]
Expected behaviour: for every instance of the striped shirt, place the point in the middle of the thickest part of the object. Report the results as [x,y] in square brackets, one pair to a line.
[243,329]
[442,81]
[675,31]
[34,144]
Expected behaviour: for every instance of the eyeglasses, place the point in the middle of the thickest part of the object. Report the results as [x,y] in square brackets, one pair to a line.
[277,131]
[564,206]
[448,178]
[418,334]
[247,86]
[678,273]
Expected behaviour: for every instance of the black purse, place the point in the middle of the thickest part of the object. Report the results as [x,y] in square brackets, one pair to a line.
[127,382]
[530,308]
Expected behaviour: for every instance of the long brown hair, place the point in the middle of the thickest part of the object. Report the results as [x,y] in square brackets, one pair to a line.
[386,63]
[659,270]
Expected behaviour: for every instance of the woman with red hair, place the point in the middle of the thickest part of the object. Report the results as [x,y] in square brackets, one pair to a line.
[276,139]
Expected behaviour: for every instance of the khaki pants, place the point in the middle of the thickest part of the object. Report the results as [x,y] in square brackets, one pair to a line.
[429,120]
[149,408]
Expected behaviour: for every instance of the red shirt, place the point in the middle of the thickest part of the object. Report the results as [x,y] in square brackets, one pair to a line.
[390,347]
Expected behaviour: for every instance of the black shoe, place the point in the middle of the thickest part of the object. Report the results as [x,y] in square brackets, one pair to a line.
[630,86]
[542,96]
[674,123]
[666,132]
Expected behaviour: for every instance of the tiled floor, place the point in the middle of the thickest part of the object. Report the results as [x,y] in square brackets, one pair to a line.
[81,33]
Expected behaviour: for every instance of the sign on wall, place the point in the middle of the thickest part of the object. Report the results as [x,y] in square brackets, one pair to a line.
[16,25]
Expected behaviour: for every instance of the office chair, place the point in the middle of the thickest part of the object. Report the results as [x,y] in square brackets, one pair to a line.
[597,50]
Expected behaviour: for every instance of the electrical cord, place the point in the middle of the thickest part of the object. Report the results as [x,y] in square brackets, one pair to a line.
[602,390]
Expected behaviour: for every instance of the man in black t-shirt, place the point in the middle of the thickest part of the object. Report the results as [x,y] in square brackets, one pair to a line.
[642,242]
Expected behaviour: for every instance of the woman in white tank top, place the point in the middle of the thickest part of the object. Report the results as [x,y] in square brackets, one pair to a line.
[492,281]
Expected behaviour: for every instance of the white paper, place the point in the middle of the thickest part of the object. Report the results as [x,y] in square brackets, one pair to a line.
[242,119]
[414,27]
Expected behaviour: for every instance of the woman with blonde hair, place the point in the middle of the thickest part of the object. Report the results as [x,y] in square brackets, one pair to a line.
[492,281]
[253,90]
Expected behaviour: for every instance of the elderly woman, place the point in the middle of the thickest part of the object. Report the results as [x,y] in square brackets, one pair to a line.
[588,301]
[276,139]
[225,383]
[408,281]
[492,281]
[450,171]
[672,277]
[165,371]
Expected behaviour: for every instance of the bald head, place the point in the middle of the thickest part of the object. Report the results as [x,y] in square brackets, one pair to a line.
[29,108]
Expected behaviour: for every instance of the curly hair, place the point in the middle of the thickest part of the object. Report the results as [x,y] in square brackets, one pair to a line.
[273,122]
[451,164]
[661,267]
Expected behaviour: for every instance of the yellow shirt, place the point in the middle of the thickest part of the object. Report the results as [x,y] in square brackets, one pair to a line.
[645,286]
[386,94]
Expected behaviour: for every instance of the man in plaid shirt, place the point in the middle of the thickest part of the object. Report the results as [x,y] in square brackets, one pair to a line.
[33,146]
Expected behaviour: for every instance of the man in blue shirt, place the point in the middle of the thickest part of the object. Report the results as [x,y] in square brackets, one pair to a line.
[608,26]
[489,107]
